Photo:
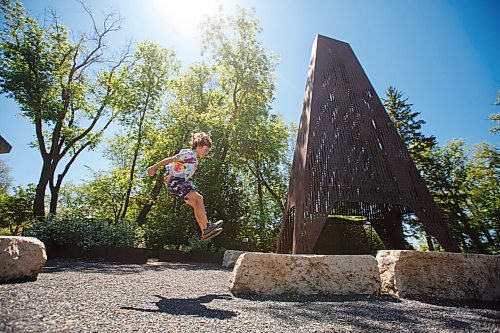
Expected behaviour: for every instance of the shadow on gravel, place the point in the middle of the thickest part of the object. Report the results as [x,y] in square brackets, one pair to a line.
[188,307]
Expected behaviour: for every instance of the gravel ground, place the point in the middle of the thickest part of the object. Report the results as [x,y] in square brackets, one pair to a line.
[74,296]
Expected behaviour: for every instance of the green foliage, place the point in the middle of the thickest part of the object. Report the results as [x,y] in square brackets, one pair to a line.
[465,187]
[139,99]
[464,182]
[60,86]
[252,142]
[170,223]
[483,199]
[245,176]
[101,197]
[16,209]
[409,128]
[5,178]
[228,95]
[496,118]
[83,232]
[418,145]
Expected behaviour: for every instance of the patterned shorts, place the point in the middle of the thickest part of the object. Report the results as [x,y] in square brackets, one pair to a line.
[179,187]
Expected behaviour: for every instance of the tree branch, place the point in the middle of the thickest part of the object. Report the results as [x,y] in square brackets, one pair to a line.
[259,177]
[99,111]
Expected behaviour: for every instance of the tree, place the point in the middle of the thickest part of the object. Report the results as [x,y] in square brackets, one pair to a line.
[140,98]
[496,118]
[483,201]
[100,198]
[15,210]
[419,146]
[194,106]
[449,184]
[227,95]
[409,127]
[51,78]
[185,112]
[252,141]
[5,178]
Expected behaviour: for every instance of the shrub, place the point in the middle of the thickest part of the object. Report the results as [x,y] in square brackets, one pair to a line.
[83,232]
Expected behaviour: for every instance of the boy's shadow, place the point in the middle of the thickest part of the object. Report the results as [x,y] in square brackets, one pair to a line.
[188,307]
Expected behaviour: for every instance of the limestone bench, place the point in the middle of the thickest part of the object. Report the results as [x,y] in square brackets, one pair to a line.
[275,274]
[230,257]
[21,258]
[440,275]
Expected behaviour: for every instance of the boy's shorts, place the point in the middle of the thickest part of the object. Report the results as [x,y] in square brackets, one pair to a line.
[179,187]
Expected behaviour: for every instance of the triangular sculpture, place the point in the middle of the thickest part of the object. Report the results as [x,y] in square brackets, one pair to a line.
[350,160]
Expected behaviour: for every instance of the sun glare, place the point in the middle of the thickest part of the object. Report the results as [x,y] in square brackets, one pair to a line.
[185,16]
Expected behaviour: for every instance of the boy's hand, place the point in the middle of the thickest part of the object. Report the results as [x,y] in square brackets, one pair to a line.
[151,171]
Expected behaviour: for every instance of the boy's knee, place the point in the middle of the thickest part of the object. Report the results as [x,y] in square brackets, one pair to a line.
[190,202]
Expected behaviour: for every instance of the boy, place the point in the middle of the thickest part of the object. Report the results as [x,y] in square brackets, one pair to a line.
[181,167]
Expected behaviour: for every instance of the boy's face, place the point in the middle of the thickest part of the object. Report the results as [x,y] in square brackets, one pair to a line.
[202,151]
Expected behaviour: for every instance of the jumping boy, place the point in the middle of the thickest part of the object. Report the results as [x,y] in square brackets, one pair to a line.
[181,167]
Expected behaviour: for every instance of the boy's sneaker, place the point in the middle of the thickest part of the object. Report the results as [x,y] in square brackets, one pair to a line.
[216,225]
[212,230]
[211,234]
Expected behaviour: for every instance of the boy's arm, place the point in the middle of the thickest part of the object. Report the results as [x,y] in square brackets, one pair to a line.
[152,169]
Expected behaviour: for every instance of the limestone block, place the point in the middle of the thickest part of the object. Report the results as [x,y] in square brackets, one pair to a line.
[275,274]
[440,275]
[21,258]
[230,257]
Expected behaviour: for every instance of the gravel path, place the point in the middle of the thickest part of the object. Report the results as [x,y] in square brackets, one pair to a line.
[73,296]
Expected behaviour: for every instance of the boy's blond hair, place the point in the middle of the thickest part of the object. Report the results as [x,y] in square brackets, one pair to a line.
[200,139]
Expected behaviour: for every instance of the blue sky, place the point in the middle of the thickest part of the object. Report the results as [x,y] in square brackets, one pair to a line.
[443,55]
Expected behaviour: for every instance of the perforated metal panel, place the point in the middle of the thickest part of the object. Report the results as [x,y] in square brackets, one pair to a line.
[350,160]
[5,147]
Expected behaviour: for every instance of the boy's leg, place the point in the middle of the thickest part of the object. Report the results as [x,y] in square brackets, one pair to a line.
[195,200]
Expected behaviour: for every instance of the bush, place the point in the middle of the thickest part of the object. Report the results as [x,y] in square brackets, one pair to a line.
[83,232]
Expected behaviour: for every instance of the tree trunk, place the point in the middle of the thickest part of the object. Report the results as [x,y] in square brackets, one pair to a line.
[39,202]
[261,204]
[220,160]
[54,189]
[54,196]
[134,162]
[141,219]
[262,181]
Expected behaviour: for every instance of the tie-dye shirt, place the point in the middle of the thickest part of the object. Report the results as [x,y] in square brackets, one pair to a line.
[185,166]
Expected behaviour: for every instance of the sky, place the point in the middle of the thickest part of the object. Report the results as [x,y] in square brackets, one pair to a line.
[442,55]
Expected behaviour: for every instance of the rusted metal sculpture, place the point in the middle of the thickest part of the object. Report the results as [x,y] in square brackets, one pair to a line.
[350,160]
[5,147]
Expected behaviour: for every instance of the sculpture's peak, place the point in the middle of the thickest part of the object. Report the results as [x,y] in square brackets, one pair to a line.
[329,39]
